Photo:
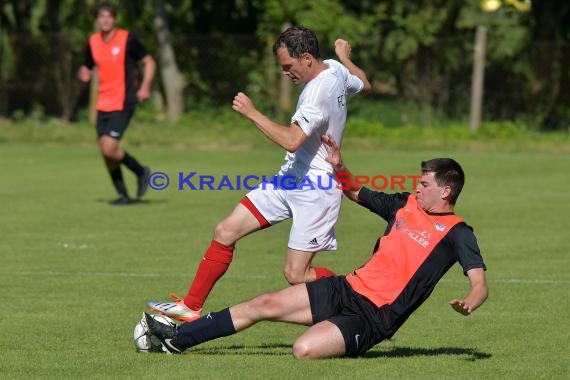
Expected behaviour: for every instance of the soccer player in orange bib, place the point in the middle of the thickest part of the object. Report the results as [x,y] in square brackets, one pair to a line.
[116,52]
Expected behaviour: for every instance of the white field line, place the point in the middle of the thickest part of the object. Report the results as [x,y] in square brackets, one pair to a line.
[188,276]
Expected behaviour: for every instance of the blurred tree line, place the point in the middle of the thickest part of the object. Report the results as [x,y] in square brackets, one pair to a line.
[418,51]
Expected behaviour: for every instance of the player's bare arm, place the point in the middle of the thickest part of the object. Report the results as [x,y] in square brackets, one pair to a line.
[289,138]
[335,159]
[342,50]
[148,75]
[476,296]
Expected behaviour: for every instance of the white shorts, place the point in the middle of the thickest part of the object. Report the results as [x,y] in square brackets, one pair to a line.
[312,201]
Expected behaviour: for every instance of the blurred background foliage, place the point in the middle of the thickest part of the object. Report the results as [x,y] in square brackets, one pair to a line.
[417,53]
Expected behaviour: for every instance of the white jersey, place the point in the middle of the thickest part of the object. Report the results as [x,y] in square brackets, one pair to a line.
[321,109]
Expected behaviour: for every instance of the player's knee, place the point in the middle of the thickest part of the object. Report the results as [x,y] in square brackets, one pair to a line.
[105,151]
[110,152]
[262,301]
[302,350]
[294,277]
[223,233]
[267,305]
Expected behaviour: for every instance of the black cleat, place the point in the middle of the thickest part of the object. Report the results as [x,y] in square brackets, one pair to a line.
[143,182]
[166,333]
[123,200]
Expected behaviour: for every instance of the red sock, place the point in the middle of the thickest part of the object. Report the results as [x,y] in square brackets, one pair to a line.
[215,263]
[321,272]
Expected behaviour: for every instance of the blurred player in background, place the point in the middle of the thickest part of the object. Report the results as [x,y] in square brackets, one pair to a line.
[321,108]
[116,53]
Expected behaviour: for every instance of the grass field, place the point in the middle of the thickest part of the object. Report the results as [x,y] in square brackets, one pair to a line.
[76,272]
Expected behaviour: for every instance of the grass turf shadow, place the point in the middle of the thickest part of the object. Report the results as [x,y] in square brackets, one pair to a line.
[471,354]
[133,202]
[281,349]
[276,349]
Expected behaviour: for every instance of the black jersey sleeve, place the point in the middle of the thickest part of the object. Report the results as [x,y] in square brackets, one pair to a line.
[89,61]
[135,49]
[381,203]
[466,247]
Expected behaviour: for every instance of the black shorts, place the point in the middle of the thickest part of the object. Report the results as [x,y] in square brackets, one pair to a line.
[114,123]
[359,320]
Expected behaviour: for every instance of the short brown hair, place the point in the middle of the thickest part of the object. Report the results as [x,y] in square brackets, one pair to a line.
[105,6]
[298,40]
[447,172]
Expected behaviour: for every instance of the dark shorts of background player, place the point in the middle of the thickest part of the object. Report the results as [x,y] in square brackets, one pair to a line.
[114,123]
[359,320]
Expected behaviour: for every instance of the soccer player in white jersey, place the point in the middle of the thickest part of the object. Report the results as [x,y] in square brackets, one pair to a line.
[304,188]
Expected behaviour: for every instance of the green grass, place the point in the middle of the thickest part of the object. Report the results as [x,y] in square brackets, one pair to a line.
[76,272]
[372,123]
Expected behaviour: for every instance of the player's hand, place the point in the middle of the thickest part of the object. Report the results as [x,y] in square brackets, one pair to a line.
[84,74]
[143,94]
[243,105]
[333,152]
[342,49]
[461,307]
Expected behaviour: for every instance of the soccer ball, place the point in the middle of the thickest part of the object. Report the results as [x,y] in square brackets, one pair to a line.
[144,341]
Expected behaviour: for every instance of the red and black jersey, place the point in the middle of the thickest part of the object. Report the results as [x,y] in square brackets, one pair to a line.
[116,61]
[415,251]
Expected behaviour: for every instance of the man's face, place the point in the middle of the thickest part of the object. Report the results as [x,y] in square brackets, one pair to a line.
[105,21]
[294,68]
[428,193]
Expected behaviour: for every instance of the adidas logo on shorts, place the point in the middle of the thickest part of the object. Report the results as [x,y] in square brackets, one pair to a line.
[314,242]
